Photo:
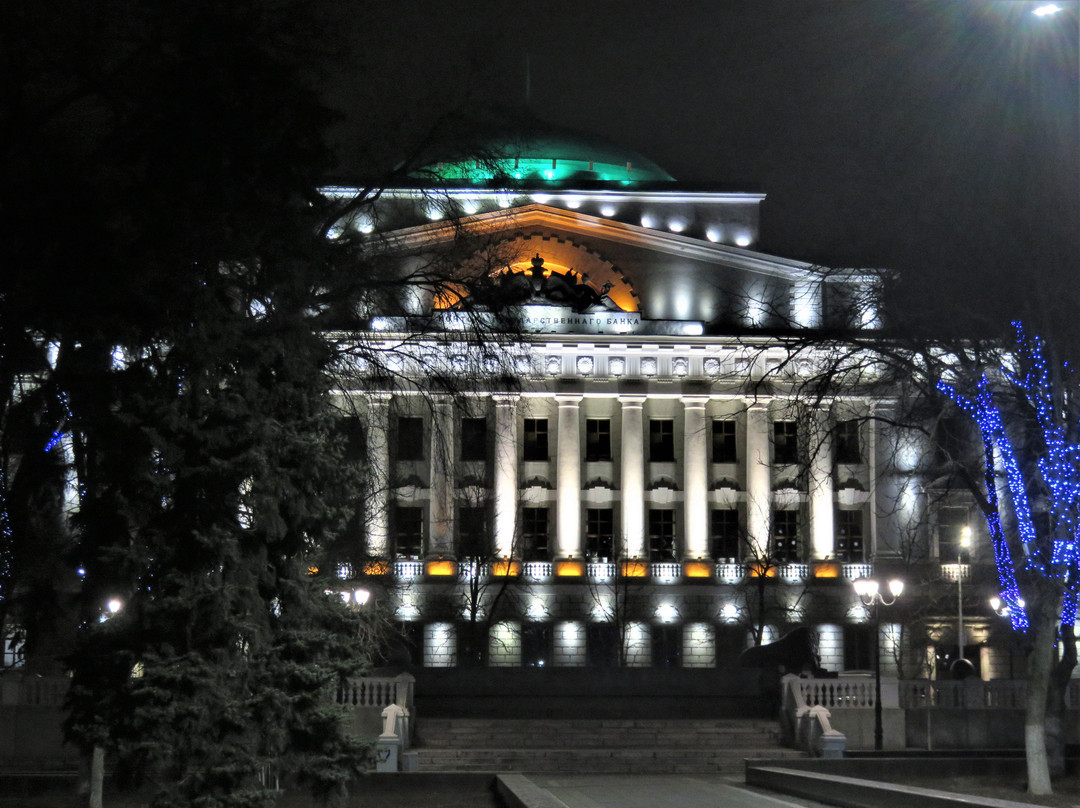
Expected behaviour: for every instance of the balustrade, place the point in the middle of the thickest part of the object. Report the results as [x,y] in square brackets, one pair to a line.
[965,694]
[666,572]
[600,571]
[377,691]
[408,570]
[793,572]
[537,570]
[956,572]
[730,573]
[837,693]
[855,571]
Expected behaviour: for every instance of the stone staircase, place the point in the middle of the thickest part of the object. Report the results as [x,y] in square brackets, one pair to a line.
[574,746]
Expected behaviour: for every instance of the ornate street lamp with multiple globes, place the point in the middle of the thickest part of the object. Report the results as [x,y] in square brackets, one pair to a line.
[869,592]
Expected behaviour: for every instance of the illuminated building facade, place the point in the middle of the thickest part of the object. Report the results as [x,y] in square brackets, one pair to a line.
[626,468]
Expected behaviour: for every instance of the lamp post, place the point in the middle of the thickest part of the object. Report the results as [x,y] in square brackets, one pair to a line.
[1001,609]
[965,542]
[869,592]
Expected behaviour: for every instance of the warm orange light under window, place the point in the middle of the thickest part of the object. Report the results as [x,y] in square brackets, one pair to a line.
[506,569]
[634,569]
[377,568]
[312,570]
[826,569]
[569,568]
[441,568]
[760,569]
[698,569]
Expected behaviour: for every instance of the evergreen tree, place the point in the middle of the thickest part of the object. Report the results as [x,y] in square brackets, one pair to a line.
[166,285]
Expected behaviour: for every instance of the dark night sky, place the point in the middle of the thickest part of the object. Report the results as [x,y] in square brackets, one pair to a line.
[922,135]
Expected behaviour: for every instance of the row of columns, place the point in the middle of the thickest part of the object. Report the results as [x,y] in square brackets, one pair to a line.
[632,476]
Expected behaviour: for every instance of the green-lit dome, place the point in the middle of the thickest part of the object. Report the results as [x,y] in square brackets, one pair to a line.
[529,149]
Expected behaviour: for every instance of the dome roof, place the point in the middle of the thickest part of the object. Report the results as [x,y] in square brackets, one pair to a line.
[526,148]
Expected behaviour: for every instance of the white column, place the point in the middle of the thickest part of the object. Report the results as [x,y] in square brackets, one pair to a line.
[820,485]
[506,476]
[758,477]
[377,494]
[568,487]
[633,476]
[695,477]
[441,516]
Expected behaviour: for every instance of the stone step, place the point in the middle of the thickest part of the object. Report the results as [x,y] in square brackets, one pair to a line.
[574,761]
[510,733]
[604,745]
[612,724]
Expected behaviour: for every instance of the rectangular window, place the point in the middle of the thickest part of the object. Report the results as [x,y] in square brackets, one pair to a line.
[661,440]
[599,533]
[534,533]
[14,647]
[731,640]
[785,442]
[723,442]
[666,646]
[953,438]
[849,536]
[951,521]
[410,438]
[661,534]
[847,442]
[597,439]
[408,531]
[354,439]
[474,439]
[785,536]
[536,645]
[602,642]
[859,647]
[724,533]
[536,439]
[472,532]
[411,641]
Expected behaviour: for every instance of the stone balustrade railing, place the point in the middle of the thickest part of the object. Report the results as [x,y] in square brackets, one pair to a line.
[805,725]
[975,694]
[600,571]
[378,692]
[724,571]
[537,570]
[408,570]
[843,693]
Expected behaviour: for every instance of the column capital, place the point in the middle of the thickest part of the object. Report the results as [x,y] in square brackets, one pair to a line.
[568,398]
[633,401]
[506,399]
[377,399]
[758,403]
[694,400]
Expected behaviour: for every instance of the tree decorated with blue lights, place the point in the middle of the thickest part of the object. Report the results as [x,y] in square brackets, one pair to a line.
[1028,421]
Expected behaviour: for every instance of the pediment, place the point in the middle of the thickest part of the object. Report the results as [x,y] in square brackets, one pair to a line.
[558,222]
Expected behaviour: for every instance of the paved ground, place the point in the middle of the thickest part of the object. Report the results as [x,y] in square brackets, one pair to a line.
[651,791]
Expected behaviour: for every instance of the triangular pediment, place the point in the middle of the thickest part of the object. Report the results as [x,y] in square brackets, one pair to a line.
[558,221]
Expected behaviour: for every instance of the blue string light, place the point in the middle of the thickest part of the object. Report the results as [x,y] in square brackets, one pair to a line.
[1054,553]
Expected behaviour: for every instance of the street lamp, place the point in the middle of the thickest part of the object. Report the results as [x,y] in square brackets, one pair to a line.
[1001,609]
[868,591]
[1047,10]
[965,542]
